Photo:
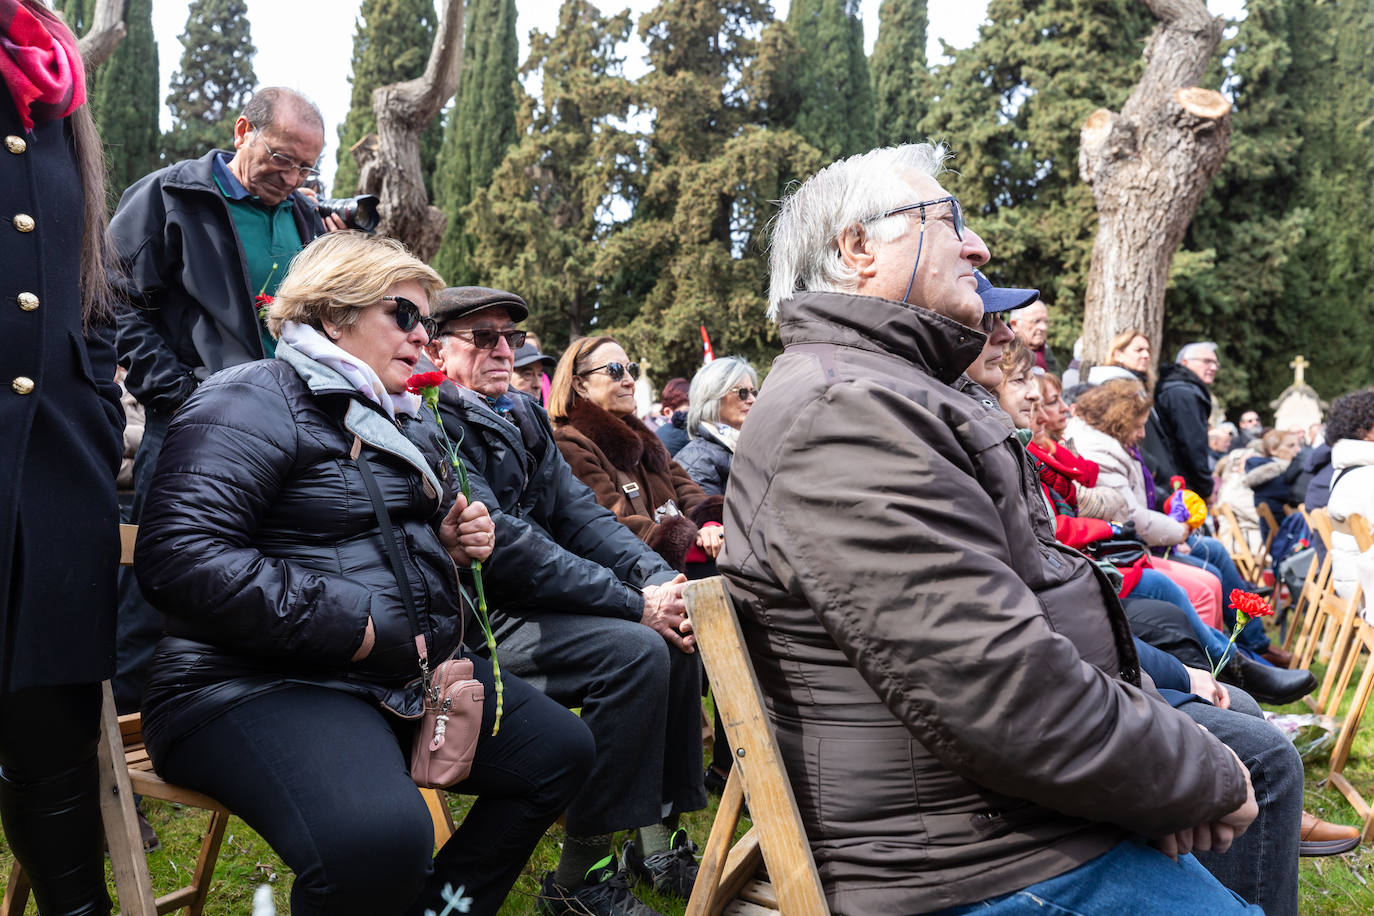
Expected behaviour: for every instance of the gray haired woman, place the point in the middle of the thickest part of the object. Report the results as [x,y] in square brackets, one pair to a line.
[720,397]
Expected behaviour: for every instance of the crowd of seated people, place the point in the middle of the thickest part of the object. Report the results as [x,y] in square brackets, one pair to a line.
[287,681]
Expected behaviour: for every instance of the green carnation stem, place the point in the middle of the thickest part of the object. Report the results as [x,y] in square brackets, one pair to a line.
[431,398]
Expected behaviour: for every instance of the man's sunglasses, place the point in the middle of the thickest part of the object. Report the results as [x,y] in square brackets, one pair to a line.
[616,370]
[990,320]
[408,315]
[487,338]
[744,393]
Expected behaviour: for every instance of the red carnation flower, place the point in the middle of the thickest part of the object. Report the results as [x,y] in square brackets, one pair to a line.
[422,380]
[1250,605]
[263,302]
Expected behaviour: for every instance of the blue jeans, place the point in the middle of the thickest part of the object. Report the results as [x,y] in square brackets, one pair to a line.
[1208,554]
[1262,865]
[1130,878]
[1154,584]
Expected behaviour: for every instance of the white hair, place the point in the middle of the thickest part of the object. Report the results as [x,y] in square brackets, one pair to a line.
[713,382]
[1194,350]
[1023,311]
[845,195]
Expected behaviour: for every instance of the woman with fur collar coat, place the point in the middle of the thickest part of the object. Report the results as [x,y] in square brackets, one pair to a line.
[592,406]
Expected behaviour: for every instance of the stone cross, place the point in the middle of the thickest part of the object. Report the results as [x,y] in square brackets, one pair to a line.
[1297,365]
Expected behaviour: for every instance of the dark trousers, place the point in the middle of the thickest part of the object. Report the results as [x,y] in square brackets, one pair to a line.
[640,698]
[138,626]
[50,795]
[324,777]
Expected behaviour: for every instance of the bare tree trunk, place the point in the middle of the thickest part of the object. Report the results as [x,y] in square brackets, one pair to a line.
[1149,167]
[390,166]
[107,31]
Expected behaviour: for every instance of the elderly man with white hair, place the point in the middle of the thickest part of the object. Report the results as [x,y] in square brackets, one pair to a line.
[957,696]
[1031,323]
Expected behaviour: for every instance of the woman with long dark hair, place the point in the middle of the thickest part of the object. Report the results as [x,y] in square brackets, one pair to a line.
[61,421]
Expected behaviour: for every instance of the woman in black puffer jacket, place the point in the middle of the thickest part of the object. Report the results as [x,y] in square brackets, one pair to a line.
[287,679]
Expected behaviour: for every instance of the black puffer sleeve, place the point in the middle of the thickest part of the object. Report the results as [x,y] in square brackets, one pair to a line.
[229,452]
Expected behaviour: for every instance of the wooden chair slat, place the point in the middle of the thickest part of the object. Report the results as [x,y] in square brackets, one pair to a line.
[778,836]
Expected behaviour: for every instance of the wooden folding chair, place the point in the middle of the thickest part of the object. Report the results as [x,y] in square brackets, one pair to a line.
[1318,576]
[1232,537]
[1318,636]
[730,881]
[1361,646]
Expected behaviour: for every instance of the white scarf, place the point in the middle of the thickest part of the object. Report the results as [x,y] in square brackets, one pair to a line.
[359,374]
[723,433]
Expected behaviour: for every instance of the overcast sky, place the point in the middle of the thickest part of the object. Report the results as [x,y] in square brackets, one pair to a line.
[307,44]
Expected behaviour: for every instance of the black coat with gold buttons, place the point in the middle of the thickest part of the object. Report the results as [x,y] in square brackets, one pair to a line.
[61,425]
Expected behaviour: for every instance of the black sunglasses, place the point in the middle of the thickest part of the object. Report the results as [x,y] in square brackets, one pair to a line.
[990,320]
[487,338]
[408,315]
[744,392]
[616,370]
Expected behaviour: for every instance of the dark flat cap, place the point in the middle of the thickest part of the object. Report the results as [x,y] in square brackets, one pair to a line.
[457,301]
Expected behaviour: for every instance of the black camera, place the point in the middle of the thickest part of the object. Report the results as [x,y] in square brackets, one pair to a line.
[356,212]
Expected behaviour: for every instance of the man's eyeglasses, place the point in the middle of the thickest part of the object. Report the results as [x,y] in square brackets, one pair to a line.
[990,319]
[956,213]
[286,163]
[408,315]
[616,370]
[744,392]
[488,338]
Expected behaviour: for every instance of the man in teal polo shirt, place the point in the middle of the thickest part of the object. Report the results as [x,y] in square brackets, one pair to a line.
[198,242]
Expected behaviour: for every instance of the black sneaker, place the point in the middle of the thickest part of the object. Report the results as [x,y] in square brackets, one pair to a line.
[673,872]
[606,893]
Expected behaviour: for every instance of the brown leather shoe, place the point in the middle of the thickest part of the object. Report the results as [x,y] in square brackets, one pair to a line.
[1320,838]
[1276,655]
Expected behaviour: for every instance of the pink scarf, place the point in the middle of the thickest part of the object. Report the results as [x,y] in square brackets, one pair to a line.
[39,63]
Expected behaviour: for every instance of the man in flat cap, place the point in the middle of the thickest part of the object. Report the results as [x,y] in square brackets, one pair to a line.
[582,609]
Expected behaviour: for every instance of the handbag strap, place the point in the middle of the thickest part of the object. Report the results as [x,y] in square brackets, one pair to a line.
[394,557]
[633,492]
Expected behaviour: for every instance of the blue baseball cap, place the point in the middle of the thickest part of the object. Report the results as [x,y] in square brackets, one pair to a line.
[1003,298]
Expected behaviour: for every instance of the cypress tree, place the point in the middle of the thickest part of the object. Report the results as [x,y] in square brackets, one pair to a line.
[1277,257]
[480,128]
[125,101]
[541,222]
[693,253]
[77,13]
[391,45]
[214,80]
[836,113]
[901,80]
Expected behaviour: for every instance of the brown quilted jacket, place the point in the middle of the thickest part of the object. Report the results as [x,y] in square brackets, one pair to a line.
[956,695]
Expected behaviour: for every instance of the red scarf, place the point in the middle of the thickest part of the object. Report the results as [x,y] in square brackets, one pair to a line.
[39,63]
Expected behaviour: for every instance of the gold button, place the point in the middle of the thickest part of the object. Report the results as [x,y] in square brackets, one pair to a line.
[23,222]
[15,144]
[22,385]
[28,301]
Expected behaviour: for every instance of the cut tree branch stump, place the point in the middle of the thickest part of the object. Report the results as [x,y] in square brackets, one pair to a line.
[107,31]
[1148,167]
[389,161]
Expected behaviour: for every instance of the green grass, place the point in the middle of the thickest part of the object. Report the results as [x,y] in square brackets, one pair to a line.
[1332,886]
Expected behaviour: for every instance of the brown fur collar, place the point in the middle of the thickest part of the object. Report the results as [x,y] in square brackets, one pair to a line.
[626,441]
